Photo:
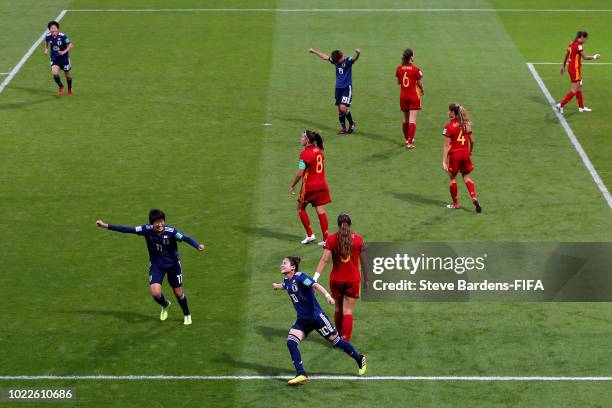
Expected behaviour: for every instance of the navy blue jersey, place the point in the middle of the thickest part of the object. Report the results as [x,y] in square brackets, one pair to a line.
[344,72]
[57,44]
[300,290]
[163,249]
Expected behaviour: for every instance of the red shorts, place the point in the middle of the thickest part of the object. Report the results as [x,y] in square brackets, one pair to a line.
[410,104]
[460,161]
[340,289]
[315,197]
[575,76]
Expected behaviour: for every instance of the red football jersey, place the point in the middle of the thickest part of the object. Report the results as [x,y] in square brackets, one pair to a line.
[343,269]
[575,56]
[459,139]
[408,75]
[314,177]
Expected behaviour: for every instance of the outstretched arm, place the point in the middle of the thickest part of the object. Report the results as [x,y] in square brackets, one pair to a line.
[322,263]
[324,292]
[590,57]
[118,228]
[182,237]
[319,54]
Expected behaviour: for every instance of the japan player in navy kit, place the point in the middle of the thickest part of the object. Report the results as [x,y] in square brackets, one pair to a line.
[58,46]
[301,289]
[344,85]
[162,242]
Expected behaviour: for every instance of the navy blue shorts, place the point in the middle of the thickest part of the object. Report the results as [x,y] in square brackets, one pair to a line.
[320,323]
[175,275]
[344,96]
[64,64]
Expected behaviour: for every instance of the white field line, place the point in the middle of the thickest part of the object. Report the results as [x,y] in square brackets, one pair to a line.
[572,137]
[351,10]
[27,55]
[560,63]
[315,377]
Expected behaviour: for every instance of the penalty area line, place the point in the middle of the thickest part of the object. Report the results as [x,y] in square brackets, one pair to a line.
[345,10]
[315,377]
[27,55]
[572,137]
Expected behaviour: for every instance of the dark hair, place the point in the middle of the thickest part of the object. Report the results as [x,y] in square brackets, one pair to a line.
[52,23]
[294,261]
[345,235]
[156,214]
[462,116]
[581,34]
[336,55]
[315,138]
[406,55]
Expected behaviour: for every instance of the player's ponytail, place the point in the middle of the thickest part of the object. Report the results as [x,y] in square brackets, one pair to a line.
[314,138]
[462,116]
[294,261]
[407,55]
[581,34]
[345,235]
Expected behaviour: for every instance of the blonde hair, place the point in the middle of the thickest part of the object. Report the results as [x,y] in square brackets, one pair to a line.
[462,116]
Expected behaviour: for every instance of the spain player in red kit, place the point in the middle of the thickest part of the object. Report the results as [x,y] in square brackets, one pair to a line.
[347,249]
[574,55]
[411,90]
[314,190]
[458,147]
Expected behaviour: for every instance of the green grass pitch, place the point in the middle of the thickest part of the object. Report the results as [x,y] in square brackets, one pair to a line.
[169,112]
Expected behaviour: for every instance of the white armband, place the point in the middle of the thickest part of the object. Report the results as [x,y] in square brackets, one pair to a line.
[315,277]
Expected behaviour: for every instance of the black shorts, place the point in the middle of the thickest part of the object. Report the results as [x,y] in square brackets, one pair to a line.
[63,64]
[320,323]
[344,96]
[175,275]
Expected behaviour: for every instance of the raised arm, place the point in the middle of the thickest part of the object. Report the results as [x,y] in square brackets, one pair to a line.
[319,54]
[324,292]
[118,228]
[322,263]
[357,54]
[182,237]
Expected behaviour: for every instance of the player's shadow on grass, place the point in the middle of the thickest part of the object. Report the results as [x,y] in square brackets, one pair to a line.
[418,198]
[261,232]
[262,369]
[126,316]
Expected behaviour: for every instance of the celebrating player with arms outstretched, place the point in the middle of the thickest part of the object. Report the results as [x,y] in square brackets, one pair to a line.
[314,190]
[60,46]
[574,55]
[301,289]
[409,79]
[347,249]
[162,242]
[457,153]
[344,85]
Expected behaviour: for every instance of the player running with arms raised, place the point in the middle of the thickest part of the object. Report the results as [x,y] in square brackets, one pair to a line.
[344,85]
[60,45]
[162,242]
[574,55]
[301,289]
[411,89]
[457,153]
[314,190]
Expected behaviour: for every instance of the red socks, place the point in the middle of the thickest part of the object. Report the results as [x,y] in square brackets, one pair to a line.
[305,221]
[567,98]
[470,186]
[324,225]
[406,130]
[453,192]
[579,96]
[411,132]
[347,326]
[338,321]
